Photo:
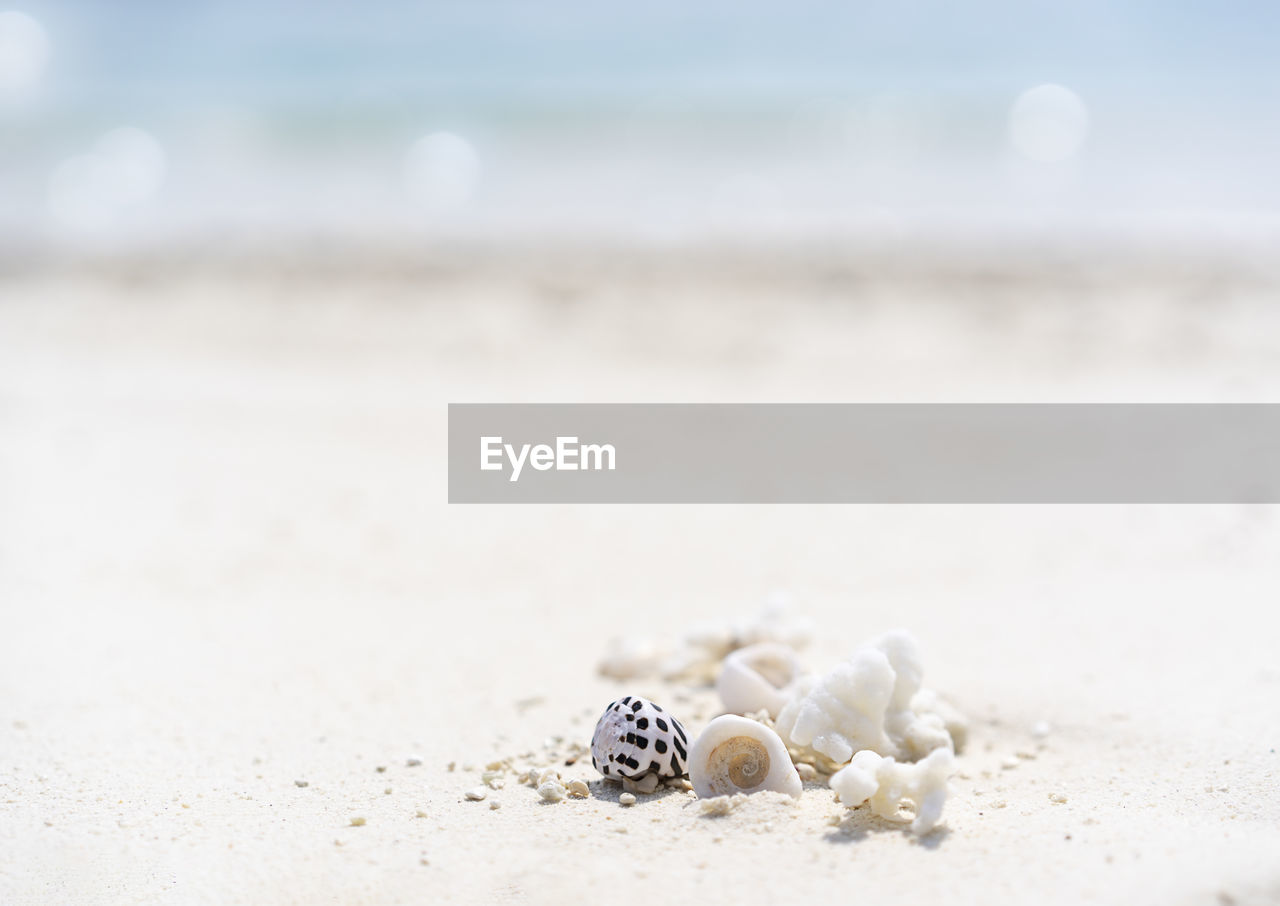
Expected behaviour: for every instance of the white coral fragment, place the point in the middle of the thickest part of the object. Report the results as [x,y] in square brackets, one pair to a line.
[889,784]
[843,711]
[928,703]
[871,702]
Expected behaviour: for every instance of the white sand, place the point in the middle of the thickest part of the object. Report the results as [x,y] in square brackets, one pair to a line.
[226,565]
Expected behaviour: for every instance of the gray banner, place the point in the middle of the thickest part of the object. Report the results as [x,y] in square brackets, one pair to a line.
[863,453]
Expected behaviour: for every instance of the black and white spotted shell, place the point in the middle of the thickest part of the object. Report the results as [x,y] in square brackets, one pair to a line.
[635,737]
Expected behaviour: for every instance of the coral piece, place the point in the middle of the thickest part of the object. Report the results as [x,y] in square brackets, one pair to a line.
[871,701]
[887,784]
[844,711]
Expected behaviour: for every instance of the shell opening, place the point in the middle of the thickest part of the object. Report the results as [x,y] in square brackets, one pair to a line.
[742,761]
[775,671]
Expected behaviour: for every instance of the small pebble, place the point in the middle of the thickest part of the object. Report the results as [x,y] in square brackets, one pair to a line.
[808,773]
[1010,762]
[579,789]
[475,794]
[646,784]
[717,806]
[1057,798]
[357,822]
[419,814]
[494,805]
[1040,729]
[538,777]
[413,763]
[551,790]
[381,769]
[387,791]
[627,799]
[301,784]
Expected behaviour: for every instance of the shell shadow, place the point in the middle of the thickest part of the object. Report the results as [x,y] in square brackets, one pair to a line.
[609,791]
[860,823]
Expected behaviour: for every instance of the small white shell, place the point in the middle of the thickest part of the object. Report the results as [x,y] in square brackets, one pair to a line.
[552,790]
[737,755]
[758,677]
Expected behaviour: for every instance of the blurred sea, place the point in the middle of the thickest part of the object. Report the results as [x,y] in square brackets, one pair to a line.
[660,121]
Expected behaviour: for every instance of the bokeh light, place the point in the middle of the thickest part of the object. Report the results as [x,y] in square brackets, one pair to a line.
[1048,123]
[122,172]
[24,53]
[441,172]
[369,124]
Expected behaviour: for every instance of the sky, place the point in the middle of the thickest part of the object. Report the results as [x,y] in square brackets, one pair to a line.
[670,118]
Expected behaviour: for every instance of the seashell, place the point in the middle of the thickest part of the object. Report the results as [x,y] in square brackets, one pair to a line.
[578,789]
[737,755]
[635,738]
[888,784]
[758,678]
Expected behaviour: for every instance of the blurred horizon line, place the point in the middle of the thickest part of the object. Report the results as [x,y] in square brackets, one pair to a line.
[561,259]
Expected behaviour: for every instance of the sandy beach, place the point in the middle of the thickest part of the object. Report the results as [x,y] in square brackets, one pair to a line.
[238,615]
